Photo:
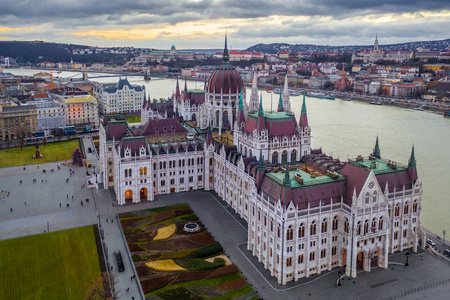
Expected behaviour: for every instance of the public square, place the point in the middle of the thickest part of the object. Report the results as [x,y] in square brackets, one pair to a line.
[29,207]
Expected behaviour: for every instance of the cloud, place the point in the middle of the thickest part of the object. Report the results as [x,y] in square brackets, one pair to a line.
[158,23]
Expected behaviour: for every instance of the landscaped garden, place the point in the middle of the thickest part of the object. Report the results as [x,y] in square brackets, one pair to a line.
[173,263]
[56,265]
[55,151]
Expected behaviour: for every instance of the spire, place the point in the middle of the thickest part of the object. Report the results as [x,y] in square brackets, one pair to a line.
[177,91]
[412,159]
[241,116]
[145,100]
[185,90]
[286,98]
[303,116]
[253,107]
[376,150]
[261,161]
[280,104]
[241,106]
[260,112]
[287,178]
[226,56]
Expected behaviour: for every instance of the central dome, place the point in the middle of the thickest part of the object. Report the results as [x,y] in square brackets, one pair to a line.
[225,80]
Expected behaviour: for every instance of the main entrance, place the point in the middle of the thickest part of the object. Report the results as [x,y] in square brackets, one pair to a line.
[128,196]
[143,194]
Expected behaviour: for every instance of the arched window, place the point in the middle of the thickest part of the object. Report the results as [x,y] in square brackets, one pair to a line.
[397,210]
[366,226]
[301,231]
[284,157]
[265,220]
[289,262]
[367,198]
[141,171]
[129,172]
[145,170]
[335,223]
[374,224]
[294,155]
[126,172]
[358,228]
[300,259]
[374,196]
[346,225]
[312,256]
[275,157]
[271,225]
[313,228]
[278,230]
[324,226]
[415,206]
[289,233]
[380,224]
[406,208]
[250,153]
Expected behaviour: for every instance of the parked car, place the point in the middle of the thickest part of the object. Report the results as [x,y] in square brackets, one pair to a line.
[430,242]
[447,252]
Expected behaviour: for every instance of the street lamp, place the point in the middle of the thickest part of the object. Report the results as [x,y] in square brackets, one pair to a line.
[339,279]
[407,258]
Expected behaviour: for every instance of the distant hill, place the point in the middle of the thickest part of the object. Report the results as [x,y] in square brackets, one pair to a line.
[35,51]
[276,47]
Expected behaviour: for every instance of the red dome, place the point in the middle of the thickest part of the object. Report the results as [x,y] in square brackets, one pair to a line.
[225,79]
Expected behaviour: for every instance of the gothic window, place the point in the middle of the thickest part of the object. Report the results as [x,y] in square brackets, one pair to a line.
[374,196]
[300,259]
[366,226]
[312,256]
[289,262]
[324,226]
[301,231]
[294,156]
[126,172]
[335,223]
[323,253]
[275,158]
[367,198]
[278,230]
[142,151]
[358,228]
[127,153]
[289,233]
[397,210]
[313,228]
[284,157]
[406,208]
[415,206]
[374,223]
[145,170]
[380,224]
[346,225]
[271,225]
[141,171]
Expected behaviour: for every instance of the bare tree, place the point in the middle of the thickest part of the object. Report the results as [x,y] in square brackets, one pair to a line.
[21,134]
[103,288]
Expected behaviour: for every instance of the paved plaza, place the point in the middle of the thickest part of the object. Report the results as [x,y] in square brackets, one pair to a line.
[30,207]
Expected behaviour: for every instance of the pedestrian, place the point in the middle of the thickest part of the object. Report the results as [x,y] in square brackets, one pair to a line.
[11,209]
[67,196]
[59,204]
[131,277]
[25,203]
[72,197]
[106,220]
[112,220]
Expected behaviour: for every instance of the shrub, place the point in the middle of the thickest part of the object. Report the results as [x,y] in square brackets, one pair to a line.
[198,264]
[178,293]
[209,250]
[156,283]
[190,217]
[223,271]
[136,257]
[176,254]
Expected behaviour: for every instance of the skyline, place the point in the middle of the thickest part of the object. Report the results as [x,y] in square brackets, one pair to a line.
[201,24]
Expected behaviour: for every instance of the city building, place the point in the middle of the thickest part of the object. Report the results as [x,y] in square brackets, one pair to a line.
[82,112]
[119,98]
[17,121]
[307,212]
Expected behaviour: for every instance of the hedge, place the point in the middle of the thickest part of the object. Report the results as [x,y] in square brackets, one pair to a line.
[208,250]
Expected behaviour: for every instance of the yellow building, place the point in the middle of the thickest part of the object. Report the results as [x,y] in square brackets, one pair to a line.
[434,67]
[17,121]
[82,111]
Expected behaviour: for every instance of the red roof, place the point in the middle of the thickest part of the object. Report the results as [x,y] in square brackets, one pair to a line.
[163,127]
[276,127]
[225,80]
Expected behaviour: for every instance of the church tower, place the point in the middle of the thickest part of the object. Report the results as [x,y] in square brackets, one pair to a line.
[304,130]
[286,99]
[375,45]
[254,99]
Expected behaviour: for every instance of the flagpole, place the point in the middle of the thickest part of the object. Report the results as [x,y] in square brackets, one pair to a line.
[271,98]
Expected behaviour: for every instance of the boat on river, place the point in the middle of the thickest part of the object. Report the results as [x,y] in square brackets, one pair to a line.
[447,112]
[320,95]
[376,102]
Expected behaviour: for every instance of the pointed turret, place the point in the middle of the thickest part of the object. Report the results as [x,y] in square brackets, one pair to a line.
[226,56]
[260,123]
[303,116]
[253,107]
[412,170]
[260,170]
[185,90]
[280,104]
[177,91]
[209,138]
[376,150]
[241,117]
[286,96]
[144,103]
[287,178]
[286,194]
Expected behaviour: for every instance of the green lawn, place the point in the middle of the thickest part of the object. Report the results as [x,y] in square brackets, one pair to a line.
[134,119]
[55,265]
[58,151]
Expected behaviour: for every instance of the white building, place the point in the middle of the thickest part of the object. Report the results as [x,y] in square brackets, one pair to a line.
[119,98]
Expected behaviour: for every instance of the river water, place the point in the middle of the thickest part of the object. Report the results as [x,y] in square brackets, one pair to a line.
[345,129]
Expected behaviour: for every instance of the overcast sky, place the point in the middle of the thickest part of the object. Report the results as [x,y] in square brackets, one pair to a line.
[202,23]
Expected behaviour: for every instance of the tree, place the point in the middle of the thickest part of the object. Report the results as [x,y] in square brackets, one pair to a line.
[21,133]
[103,288]
[76,158]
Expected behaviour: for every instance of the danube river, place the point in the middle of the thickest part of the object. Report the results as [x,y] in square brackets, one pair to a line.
[346,129]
